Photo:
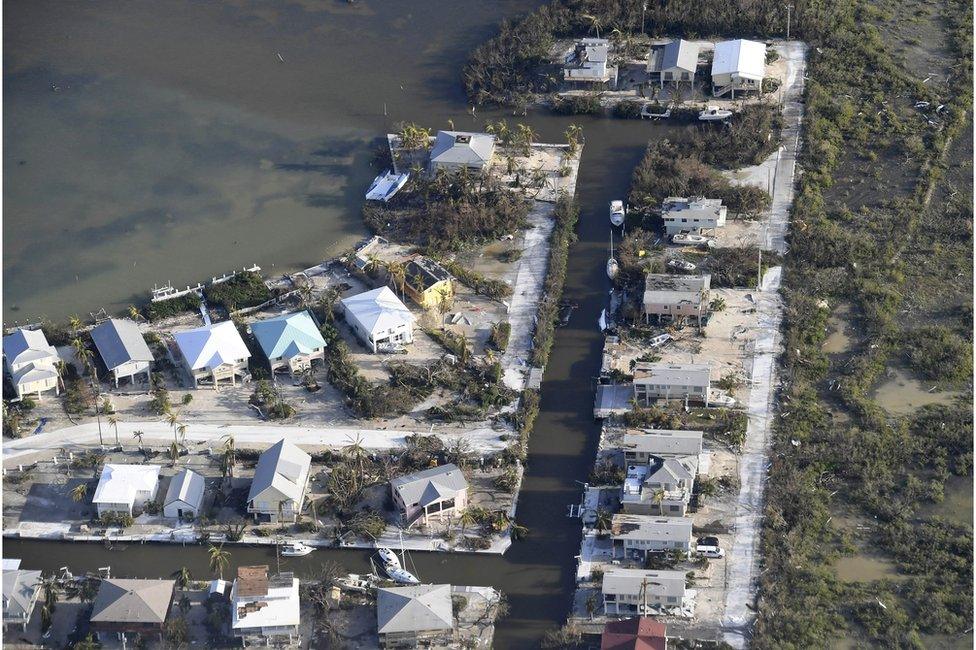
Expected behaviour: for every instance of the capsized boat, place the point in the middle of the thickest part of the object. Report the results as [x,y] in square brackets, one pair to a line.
[386,185]
[402,576]
[617,213]
[714,114]
[296,549]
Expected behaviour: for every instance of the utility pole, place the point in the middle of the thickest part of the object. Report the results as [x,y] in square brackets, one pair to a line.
[789,9]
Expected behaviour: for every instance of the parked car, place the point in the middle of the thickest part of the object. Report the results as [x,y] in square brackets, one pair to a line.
[708,541]
[659,340]
[713,552]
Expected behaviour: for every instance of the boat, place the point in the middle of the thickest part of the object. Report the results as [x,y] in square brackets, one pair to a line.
[714,114]
[689,238]
[402,576]
[296,549]
[682,265]
[612,267]
[359,583]
[386,185]
[617,213]
[389,558]
[647,114]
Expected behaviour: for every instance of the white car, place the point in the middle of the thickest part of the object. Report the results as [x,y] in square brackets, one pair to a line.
[713,552]
[659,340]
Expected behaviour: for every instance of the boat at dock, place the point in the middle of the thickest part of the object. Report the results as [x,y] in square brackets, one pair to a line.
[296,549]
[647,112]
[386,185]
[714,114]
[358,583]
[617,213]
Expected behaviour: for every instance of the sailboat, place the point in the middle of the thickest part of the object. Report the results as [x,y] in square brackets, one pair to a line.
[612,267]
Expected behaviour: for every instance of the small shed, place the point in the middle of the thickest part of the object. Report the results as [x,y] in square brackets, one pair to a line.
[184,496]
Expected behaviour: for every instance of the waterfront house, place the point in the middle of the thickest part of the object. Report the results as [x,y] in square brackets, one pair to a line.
[431,494]
[685,381]
[379,319]
[677,61]
[265,609]
[20,592]
[586,64]
[457,150]
[428,283]
[613,399]
[123,488]
[676,297]
[639,591]
[127,606]
[290,341]
[635,536]
[416,616]
[280,483]
[661,486]
[738,65]
[638,446]
[123,349]
[637,633]
[213,352]
[31,363]
[184,497]
[692,215]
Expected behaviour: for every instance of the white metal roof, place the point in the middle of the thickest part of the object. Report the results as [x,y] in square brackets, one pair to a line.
[280,607]
[673,374]
[651,528]
[663,442]
[23,346]
[187,486]
[119,483]
[211,346]
[630,581]
[746,59]
[462,147]
[284,467]
[378,310]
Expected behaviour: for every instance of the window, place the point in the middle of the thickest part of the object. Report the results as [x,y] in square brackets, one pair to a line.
[685,76]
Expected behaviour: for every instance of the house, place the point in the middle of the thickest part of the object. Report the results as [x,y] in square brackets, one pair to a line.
[129,606]
[457,150]
[738,65]
[430,494]
[291,341]
[586,63]
[685,381]
[123,488]
[264,607]
[123,349]
[213,352]
[639,591]
[612,399]
[428,283]
[662,486]
[408,617]
[694,215]
[676,297]
[637,633]
[184,497]
[20,592]
[31,363]
[676,61]
[279,484]
[640,446]
[635,536]
[379,319]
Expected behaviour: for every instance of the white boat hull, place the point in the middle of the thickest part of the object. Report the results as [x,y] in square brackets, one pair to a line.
[612,268]
[402,576]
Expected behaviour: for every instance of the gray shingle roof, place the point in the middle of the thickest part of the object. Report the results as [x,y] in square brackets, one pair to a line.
[187,486]
[430,485]
[120,341]
[414,609]
[132,601]
[680,54]
[667,442]
[284,467]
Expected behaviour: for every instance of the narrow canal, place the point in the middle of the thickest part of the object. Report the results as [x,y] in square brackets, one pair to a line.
[537,573]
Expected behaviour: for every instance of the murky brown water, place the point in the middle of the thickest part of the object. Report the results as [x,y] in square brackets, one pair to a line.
[902,393]
[178,146]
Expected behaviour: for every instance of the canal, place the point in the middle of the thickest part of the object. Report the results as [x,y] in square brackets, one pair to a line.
[222,154]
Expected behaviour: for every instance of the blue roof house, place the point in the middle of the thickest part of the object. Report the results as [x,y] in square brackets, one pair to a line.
[290,341]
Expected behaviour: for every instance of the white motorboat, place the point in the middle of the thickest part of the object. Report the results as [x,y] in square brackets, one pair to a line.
[714,114]
[386,185]
[402,576]
[689,238]
[296,549]
[681,265]
[647,112]
[357,583]
[612,267]
[617,213]
[389,559]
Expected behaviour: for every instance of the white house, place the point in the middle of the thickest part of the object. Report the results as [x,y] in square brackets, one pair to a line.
[379,318]
[694,215]
[639,446]
[676,61]
[738,65]
[122,488]
[215,352]
[265,607]
[20,591]
[290,341]
[685,381]
[280,481]
[637,535]
[123,349]
[457,150]
[676,297]
[31,362]
[629,591]
[587,62]
[661,486]
[184,497]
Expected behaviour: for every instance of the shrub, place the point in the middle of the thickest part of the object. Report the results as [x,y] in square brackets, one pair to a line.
[578,105]
[500,333]
[628,110]
[564,235]
[488,287]
[245,289]
[187,303]
[938,354]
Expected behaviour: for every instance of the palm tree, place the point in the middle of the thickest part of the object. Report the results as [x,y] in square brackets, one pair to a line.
[184,605]
[75,324]
[574,134]
[134,313]
[79,492]
[50,602]
[228,456]
[595,22]
[356,454]
[658,498]
[88,643]
[183,577]
[219,559]
[174,452]
[468,518]
[604,520]
[398,276]
[114,421]
[138,436]
[173,420]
